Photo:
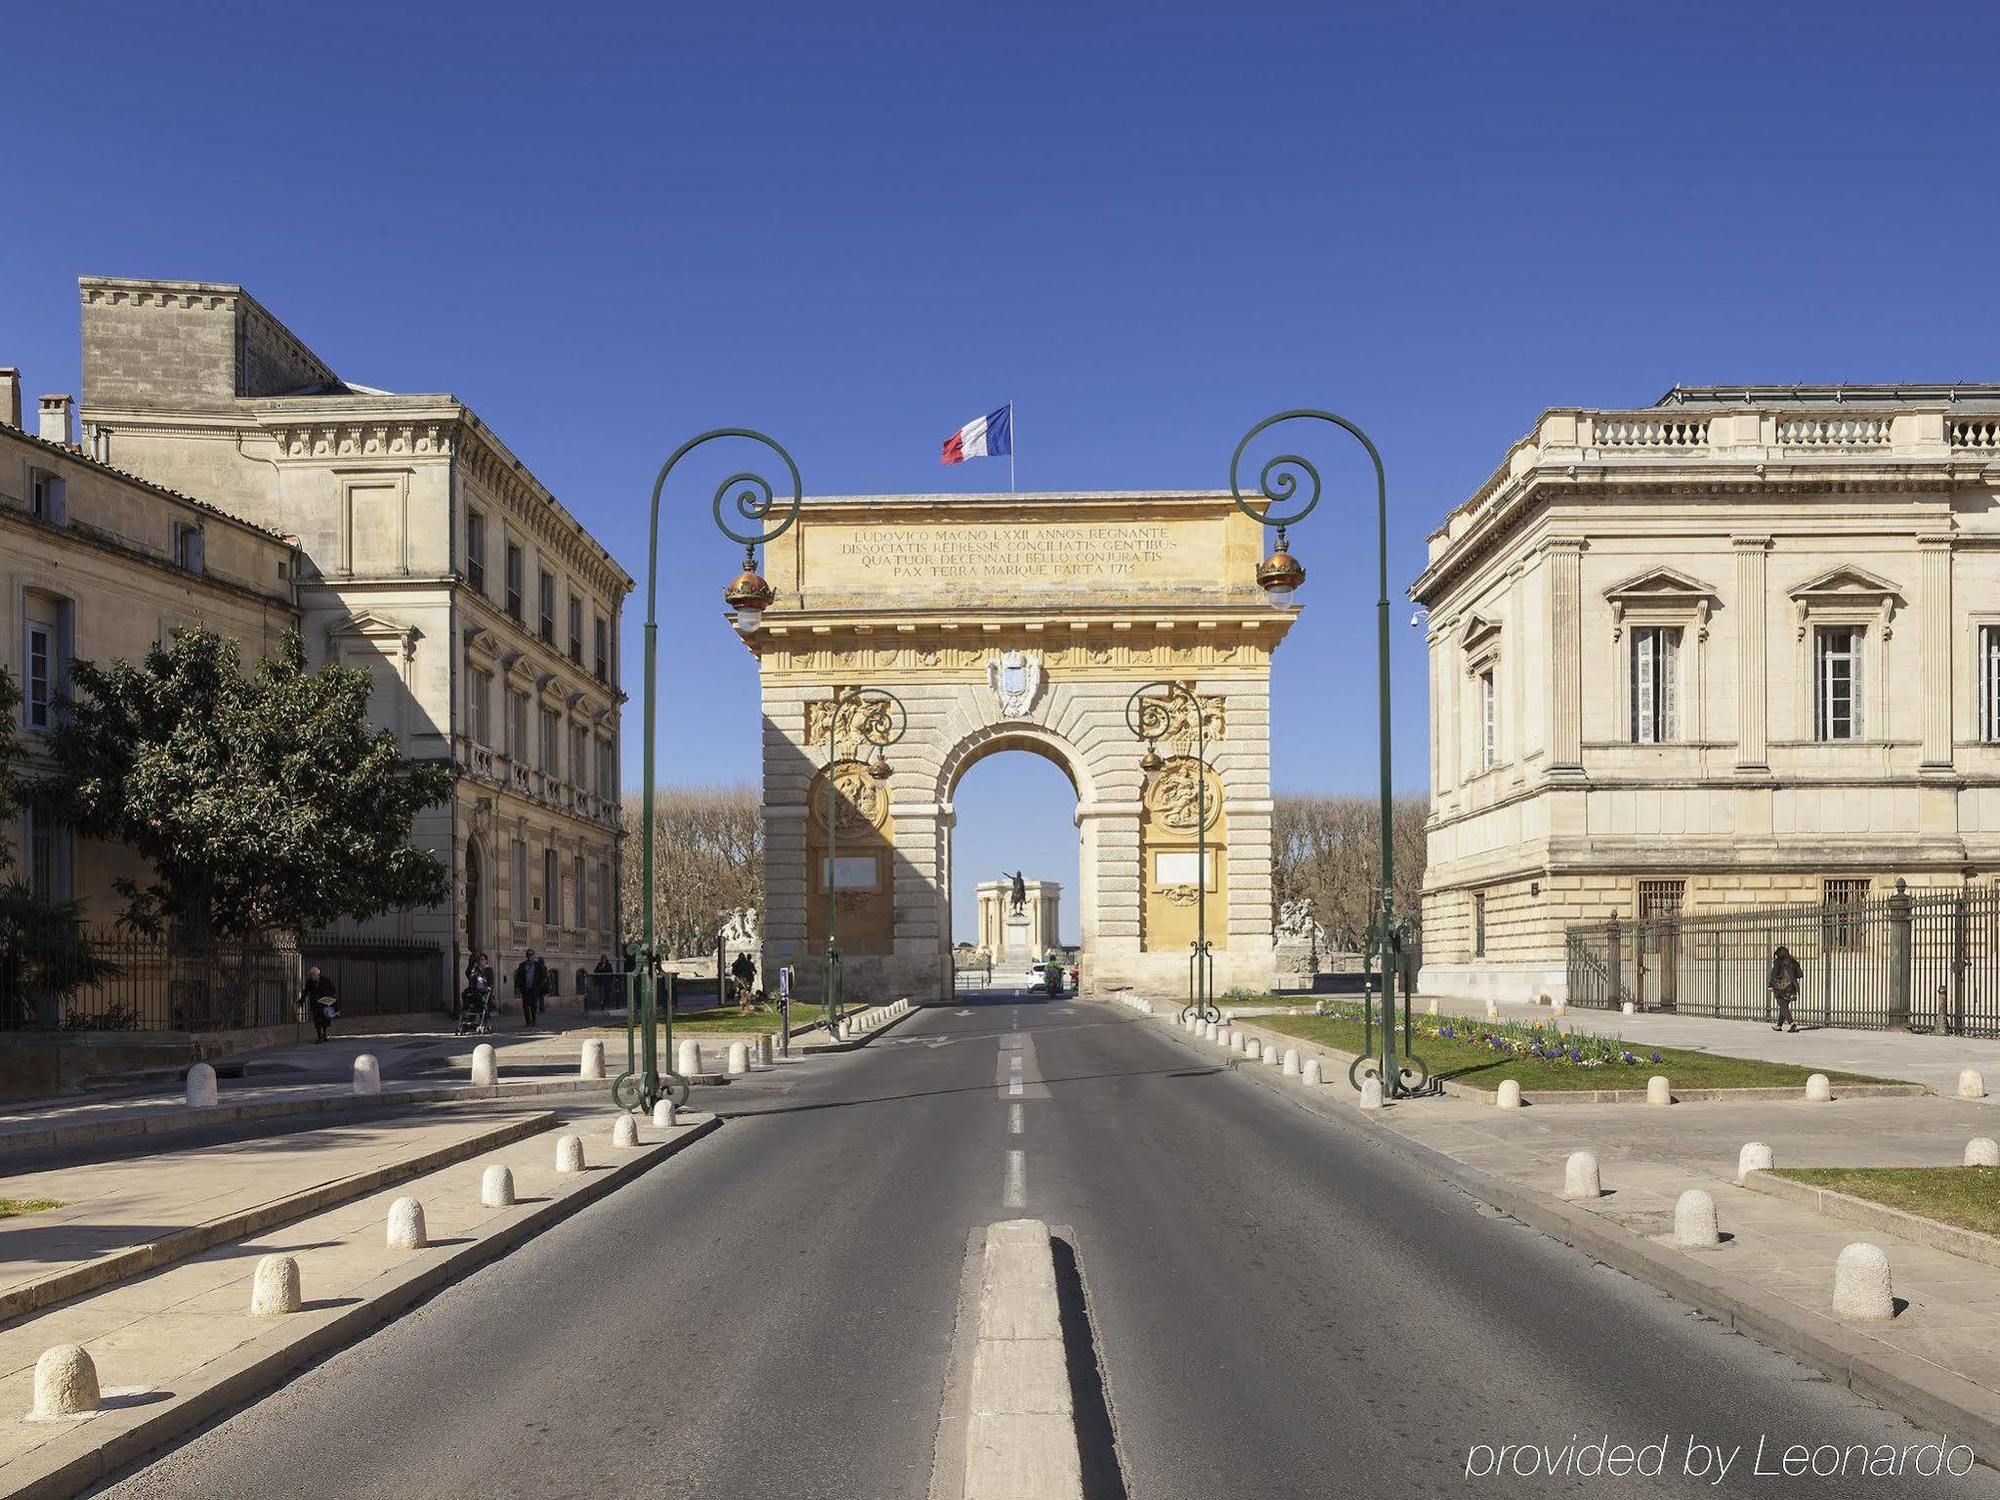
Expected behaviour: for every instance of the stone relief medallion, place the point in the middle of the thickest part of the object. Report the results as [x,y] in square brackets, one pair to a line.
[1176,895]
[1016,680]
[860,802]
[1173,799]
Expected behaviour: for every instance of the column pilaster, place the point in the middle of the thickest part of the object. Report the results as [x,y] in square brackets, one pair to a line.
[1936,554]
[1565,655]
[1753,699]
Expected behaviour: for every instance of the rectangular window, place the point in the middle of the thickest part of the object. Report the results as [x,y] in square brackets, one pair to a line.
[517,726]
[1479,924]
[482,706]
[576,630]
[548,608]
[551,743]
[578,893]
[1661,898]
[604,917]
[45,497]
[551,905]
[1845,921]
[475,551]
[1989,684]
[41,669]
[518,897]
[579,758]
[601,633]
[606,778]
[1656,684]
[514,582]
[1837,683]
[187,546]
[1489,728]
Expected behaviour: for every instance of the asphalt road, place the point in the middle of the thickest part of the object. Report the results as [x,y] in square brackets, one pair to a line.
[1280,1308]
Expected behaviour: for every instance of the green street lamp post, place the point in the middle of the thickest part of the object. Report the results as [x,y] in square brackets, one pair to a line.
[874,716]
[1152,719]
[645,1081]
[1280,575]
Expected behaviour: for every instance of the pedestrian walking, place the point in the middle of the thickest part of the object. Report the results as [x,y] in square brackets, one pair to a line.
[744,972]
[317,996]
[1783,984]
[531,982]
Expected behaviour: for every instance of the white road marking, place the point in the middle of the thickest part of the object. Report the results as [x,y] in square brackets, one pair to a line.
[1014,1062]
[1017,1180]
[1014,1089]
[1013,1119]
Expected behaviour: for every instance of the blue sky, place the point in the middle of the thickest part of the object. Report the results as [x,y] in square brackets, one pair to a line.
[856,227]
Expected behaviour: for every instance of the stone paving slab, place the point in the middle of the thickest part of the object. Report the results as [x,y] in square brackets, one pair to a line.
[186,1337]
[122,1218]
[1938,1362]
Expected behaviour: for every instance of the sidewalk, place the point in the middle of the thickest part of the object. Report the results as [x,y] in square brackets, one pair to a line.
[178,1347]
[120,1218]
[1937,1362]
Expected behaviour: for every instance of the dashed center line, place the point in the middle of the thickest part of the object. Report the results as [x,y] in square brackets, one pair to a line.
[1017,1180]
[1014,1119]
[1014,1089]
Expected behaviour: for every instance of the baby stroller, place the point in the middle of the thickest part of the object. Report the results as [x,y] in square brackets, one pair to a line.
[475,1010]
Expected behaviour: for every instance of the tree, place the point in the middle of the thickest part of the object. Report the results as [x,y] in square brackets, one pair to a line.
[708,862]
[1327,850]
[262,801]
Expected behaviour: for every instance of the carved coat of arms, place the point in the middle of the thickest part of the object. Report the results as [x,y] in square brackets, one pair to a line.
[1016,680]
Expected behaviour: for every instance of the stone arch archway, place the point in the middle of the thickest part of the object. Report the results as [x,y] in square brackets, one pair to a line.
[1021,622]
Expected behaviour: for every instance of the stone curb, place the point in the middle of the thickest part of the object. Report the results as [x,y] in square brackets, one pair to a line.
[1865,1214]
[107,1270]
[855,1044]
[1922,1392]
[65,1467]
[180,1120]
[1613,1096]
[1020,1430]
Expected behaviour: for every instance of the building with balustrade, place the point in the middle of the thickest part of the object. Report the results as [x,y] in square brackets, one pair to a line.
[430,556]
[1739,648]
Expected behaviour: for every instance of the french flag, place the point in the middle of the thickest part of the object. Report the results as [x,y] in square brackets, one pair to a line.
[990,436]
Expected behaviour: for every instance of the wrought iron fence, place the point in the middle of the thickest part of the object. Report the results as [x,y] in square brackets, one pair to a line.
[1927,960]
[55,978]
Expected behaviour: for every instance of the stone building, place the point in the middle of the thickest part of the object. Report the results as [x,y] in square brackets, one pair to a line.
[100,565]
[1738,648]
[487,615]
[1019,622]
[1026,936]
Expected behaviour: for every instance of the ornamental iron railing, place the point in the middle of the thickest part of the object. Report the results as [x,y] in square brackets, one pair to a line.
[1922,960]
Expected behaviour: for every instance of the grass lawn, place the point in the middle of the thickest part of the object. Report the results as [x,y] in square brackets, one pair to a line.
[1478,1065]
[1968,1197]
[13,1208]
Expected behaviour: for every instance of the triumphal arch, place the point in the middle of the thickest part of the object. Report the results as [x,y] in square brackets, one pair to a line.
[1003,622]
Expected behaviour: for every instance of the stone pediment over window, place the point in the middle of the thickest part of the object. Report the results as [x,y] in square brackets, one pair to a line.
[482,647]
[1845,595]
[1479,639]
[373,627]
[1663,596]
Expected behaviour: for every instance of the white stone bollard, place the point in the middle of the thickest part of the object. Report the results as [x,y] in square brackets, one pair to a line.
[367,1074]
[591,1063]
[569,1153]
[1271,1057]
[1492,1010]
[624,1133]
[1224,1037]
[1861,1285]
[687,1059]
[739,1059]
[485,1070]
[1628,1008]
[1818,1089]
[1508,1096]
[65,1383]
[1290,1062]
[1431,1009]
[1581,1182]
[201,1087]
[406,1225]
[1971,1085]
[1371,1092]
[1754,1157]
[1313,1074]
[765,1051]
[1982,1151]
[496,1187]
[1658,1090]
[1694,1221]
[663,1113]
[274,1290]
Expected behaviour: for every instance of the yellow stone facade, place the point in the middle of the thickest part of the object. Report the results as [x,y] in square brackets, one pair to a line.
[1738,648]
[1084,598]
